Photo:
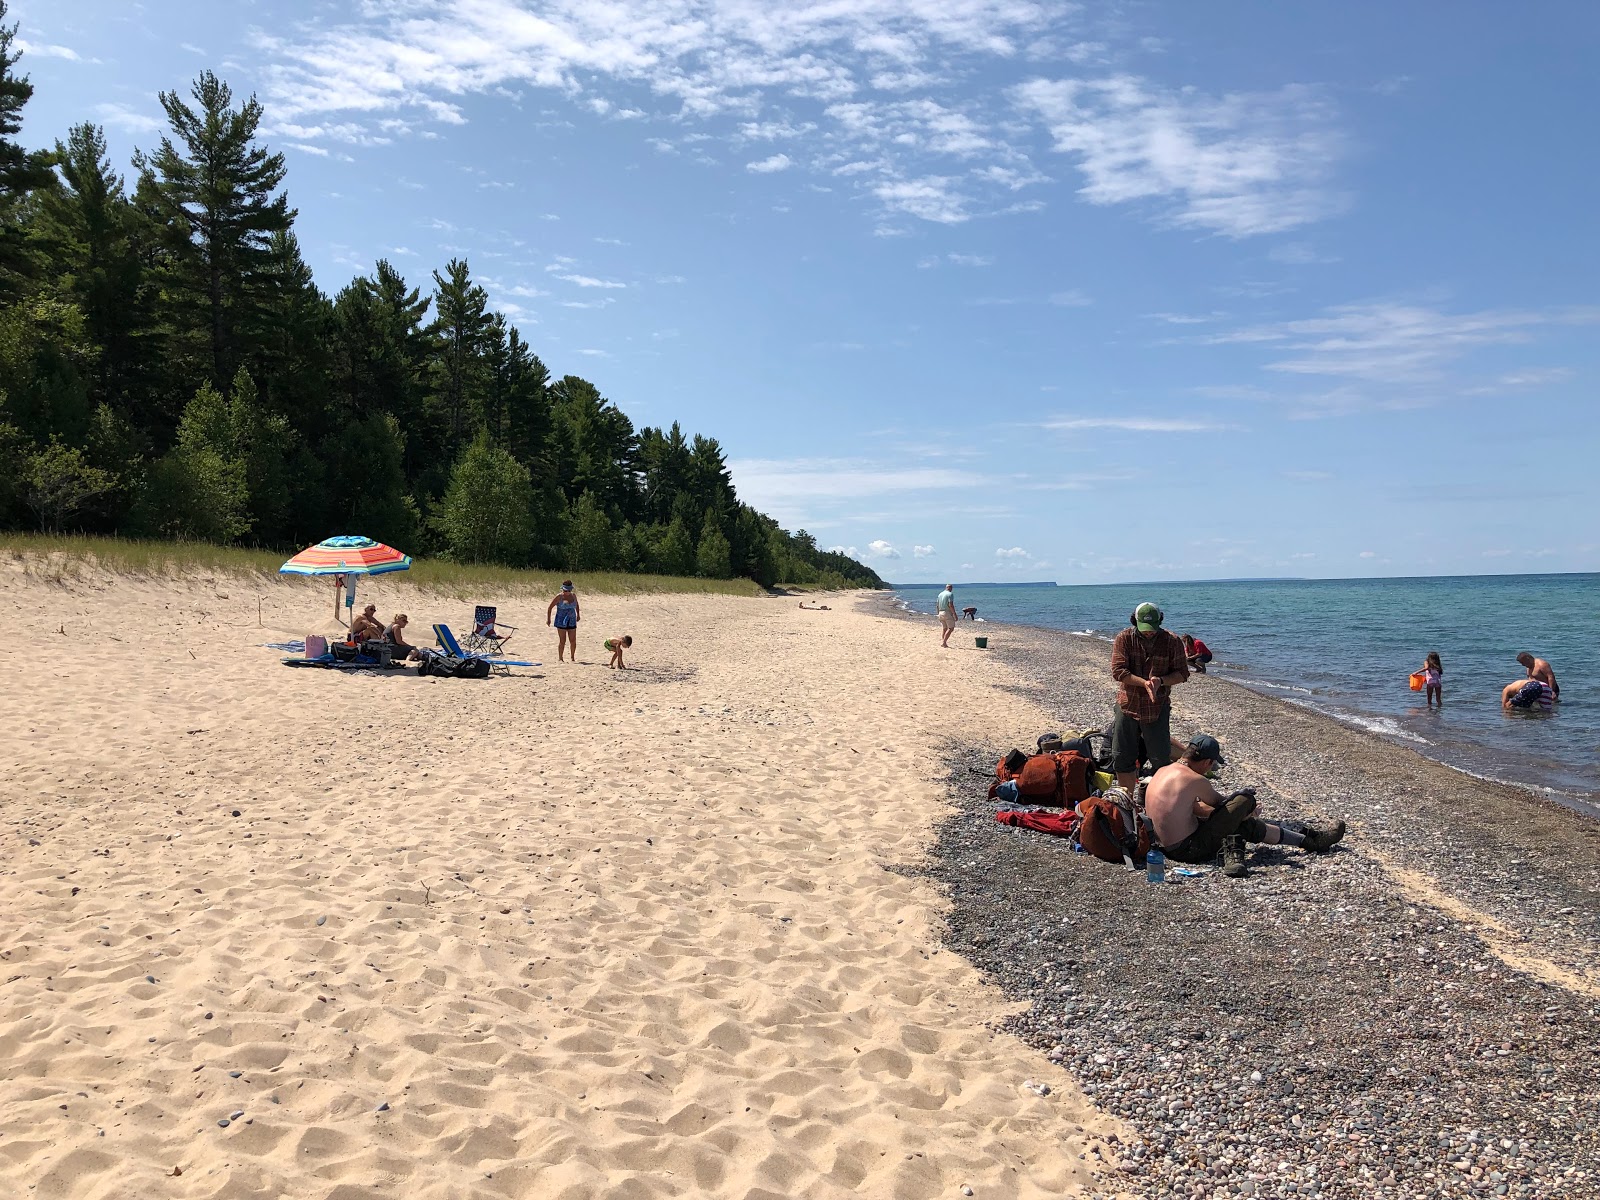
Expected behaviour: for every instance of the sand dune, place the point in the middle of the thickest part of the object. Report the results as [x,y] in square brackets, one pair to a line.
[583,933]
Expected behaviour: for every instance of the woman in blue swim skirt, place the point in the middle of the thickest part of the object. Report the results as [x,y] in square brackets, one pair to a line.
[564,614]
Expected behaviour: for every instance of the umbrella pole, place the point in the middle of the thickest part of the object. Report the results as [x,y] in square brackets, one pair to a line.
[338,586]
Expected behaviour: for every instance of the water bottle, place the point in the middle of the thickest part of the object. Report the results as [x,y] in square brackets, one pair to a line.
[1155,865]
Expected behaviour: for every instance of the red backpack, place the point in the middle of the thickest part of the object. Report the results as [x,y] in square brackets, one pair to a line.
[1111,831]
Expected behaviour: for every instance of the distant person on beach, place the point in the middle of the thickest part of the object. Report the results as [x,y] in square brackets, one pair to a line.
[366,627]
[1193,822]
[946,605]
[1433,678]
[815,607]
[565,613]
[1196,653]
[1146,661]
[617,646]
[1540,670]
[1528,694]
[395,635]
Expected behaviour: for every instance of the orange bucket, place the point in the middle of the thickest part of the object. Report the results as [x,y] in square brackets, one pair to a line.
[1417,680]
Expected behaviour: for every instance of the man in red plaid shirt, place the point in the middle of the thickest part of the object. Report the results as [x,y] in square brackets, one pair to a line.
[1146,661]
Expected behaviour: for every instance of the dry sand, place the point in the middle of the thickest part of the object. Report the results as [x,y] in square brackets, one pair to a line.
[584,933]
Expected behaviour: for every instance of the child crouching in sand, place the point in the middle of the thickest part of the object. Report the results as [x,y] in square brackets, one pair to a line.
[616,646]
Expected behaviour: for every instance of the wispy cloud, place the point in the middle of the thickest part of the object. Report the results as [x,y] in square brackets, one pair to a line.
[43,50]
[800,489]
[1238,165]
[1133,424]
[770,165]
[120,116]
[589,281]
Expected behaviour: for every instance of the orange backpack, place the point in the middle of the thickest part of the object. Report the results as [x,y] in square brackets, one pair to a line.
[1060,779]
[1111,831]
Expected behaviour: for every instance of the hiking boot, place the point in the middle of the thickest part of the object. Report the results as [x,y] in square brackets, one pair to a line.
[1320,840]
[1233,856]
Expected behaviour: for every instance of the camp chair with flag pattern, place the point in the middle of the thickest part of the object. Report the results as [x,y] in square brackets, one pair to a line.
[488,638]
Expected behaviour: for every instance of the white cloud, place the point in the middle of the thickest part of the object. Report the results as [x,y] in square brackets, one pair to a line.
[1133,424]
[122,117]
[1392,343]
[971,260]
[766,166]
[596,353]
[931,198]
[1239,164]
[589,281]
[1013,552]
[1516,381]
[1369,554]
[798,490]
[882,549]
[39,50]
[922,552]
[319,151]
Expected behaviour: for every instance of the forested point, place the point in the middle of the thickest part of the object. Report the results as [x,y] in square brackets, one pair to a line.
[169,369]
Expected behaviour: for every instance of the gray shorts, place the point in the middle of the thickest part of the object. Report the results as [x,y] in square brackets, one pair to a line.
[1125,735]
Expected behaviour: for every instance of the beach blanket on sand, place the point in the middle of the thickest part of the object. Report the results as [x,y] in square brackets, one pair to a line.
[328,661]
[286,647]
[1061,824]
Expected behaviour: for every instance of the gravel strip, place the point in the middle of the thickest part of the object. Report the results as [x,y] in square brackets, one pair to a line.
[1308,1029]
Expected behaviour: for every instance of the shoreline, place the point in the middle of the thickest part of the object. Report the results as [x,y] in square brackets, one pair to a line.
[1584,803]
[1373,1017]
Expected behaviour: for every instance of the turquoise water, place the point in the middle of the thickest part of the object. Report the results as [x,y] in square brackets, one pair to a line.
[1346,646]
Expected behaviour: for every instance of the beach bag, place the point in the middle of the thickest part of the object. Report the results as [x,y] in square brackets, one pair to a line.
[316,645]
[1109,829]
[344,651]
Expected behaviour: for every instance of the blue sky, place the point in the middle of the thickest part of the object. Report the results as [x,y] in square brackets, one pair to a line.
[982,289]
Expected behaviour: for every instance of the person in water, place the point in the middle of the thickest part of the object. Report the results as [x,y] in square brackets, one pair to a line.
[564,612]
[1433,679]
[617,646]
[1527,694]
[1539,669]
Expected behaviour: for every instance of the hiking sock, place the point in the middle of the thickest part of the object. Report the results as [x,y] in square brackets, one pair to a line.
[1282,834]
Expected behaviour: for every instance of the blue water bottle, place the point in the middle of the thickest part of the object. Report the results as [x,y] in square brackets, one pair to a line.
[1155,865]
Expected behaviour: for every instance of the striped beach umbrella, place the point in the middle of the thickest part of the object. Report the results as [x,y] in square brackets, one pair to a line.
[344,556]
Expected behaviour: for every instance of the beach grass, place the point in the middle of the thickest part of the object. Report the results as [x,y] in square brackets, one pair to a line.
[62,557]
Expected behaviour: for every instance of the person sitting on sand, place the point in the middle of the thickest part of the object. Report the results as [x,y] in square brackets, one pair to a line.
[1193,821]
[617,646]
[366,627]
[1540,670]
[1197,653]
[395,635]
[1527,694]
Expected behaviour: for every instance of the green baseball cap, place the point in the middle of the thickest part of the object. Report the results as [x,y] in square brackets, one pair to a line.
[1148,617]
[1203,745]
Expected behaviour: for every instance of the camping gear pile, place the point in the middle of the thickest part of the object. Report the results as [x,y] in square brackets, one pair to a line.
[1074,774]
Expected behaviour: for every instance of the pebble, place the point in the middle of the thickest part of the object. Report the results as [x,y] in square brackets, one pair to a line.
[1306,1030]
[322,920]
[384,1107]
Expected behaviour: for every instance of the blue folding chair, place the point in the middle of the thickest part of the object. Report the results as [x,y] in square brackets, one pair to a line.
[446,638]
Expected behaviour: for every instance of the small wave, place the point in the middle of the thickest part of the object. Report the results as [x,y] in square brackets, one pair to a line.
[1283,687]
[1386,726]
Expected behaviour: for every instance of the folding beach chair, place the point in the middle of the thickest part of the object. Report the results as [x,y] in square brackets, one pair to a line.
[488,638]
[452,648]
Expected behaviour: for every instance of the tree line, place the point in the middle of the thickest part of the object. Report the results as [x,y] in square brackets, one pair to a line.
[170,369]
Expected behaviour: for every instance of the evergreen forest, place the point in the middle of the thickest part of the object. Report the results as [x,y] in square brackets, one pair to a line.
[169,369]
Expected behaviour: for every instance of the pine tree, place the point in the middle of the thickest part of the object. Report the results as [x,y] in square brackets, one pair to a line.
[485,514]
[21,171]
[461,329]
[213,194]
[711,559]
[591,544]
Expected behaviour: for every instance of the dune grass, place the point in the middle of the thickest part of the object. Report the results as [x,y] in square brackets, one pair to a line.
[61,557]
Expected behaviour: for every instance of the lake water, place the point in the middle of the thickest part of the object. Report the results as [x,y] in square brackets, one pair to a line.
[1346,647]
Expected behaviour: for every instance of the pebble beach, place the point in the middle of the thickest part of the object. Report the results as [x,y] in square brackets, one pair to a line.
[736,923]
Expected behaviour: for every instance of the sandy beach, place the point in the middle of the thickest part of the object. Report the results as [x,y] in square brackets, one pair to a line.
[570,933]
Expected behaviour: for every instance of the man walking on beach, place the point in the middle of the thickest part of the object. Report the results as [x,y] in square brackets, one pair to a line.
[1193,821]
[1540,670]
[1146,661]
[947,614]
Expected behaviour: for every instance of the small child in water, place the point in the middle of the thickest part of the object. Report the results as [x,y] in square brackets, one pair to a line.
[1433,679]
[616,646]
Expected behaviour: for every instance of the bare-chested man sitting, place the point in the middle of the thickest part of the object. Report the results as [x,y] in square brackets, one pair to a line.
[1540,670]
[366,626]
[1193,821]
